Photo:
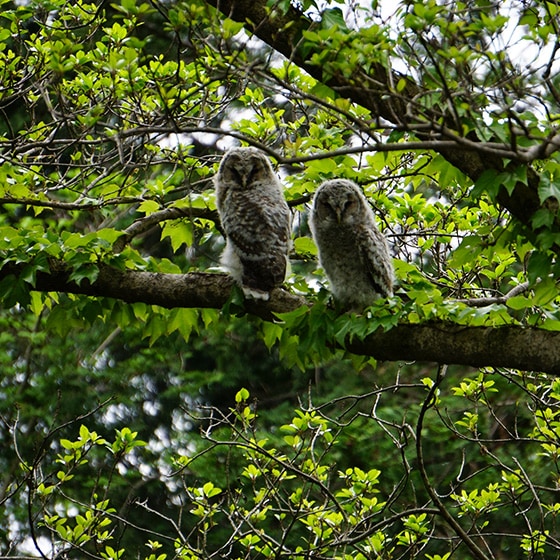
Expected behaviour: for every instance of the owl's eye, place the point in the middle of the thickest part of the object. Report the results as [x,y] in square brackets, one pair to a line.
[326,209]
[237,175]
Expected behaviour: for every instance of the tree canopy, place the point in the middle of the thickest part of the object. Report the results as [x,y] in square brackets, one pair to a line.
[147,400]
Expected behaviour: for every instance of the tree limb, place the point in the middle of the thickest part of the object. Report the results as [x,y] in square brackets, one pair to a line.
[432,492]
[514,347]
[192,290]
[509,346]
[145,223]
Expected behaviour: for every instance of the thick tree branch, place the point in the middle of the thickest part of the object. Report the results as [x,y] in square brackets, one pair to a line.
[192,290]
[511,346]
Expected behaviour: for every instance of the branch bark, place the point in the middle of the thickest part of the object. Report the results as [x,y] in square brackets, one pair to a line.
[192,290]
[515,347]
[510,346]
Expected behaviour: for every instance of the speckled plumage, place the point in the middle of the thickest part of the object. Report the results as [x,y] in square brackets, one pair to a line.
[255,219]
[352,251]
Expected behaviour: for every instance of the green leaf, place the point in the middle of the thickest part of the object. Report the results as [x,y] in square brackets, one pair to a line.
[210,490]
[183,320]
[333,17]
[529,18]
[543,217]
[488,182]
[241,396]
[271,333]
[510,179]
[88,271]
[305,246]
[148,207]
[179,232]
[548,188]
[519,302]
[539,266]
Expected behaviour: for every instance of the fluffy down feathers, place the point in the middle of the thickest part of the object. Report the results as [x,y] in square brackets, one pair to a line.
[352,251]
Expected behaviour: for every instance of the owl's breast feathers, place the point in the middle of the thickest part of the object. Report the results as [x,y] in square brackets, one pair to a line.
[266,224]
[263,243]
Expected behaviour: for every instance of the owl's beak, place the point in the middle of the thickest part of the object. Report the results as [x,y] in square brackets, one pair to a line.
[246,176]
[338,215]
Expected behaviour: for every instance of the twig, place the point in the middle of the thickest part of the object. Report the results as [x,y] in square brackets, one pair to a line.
[484,301]
[463,535]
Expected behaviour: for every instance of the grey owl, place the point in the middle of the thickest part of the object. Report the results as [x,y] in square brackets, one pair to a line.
[352,251]
[255,219]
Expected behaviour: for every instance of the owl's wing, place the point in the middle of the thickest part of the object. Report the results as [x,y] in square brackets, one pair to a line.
[377,261]
[265,273]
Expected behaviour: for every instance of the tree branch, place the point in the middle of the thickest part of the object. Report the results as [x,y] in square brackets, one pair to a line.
[69,206]
[514,347]
[192,290]
[511,346]
[145,223]
[436,499]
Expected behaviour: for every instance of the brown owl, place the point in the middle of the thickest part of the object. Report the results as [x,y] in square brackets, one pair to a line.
[255,219]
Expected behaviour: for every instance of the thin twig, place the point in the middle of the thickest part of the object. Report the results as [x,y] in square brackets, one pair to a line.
[484,301]
[426,405]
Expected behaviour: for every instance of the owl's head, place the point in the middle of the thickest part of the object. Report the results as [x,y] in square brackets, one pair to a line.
[340,201]
[242,167]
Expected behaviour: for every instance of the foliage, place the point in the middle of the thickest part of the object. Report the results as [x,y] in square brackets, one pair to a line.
[117,134]
[133,430]
[295,493]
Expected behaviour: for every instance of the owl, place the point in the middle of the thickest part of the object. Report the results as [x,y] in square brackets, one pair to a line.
[352,251]
[255,219]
